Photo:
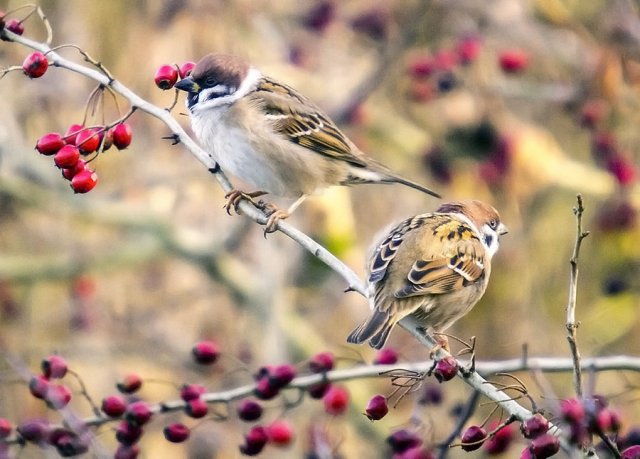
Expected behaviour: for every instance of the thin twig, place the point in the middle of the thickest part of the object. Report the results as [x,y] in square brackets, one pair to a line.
[466,413]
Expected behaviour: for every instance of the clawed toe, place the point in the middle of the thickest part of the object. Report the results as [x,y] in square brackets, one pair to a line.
[274,216]
[235,197]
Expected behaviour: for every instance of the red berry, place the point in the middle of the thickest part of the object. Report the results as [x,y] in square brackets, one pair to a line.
[403,440]
[197,408]
[415,453]
[38,386]
[191,391]
[421,91]
[446,369]
[176,433]
[632,452]
[432,395]
[58,396]
[16,26]
[54,366]
[422,66]
[127,452]
[322,362]
[129,384]
[67,157]
[513,61]
[35,65]
[205,352]
[5,428]
[84,181]
[607,421]
[249,410]
[445,60]
[186,68]
[622,169]
[264,390]
[138,413]
[73,171]
[72,133]
[35,430]
[545,446]
[128,434]
[67,443]
[500,441]
[473,438]
[386,356]
[282,375]
[377,407]
[166,76]
[280,432]
[468,49]
[49,144]
[254,441]
[122,135]
[319,389]
[114,405]
[336,400]
[106,138]
[572,410]
[88,141]
[534,426]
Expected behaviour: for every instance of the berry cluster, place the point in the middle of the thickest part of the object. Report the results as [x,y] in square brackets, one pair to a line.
[167,75]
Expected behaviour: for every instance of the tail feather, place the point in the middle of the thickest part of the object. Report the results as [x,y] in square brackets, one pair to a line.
[375,329]
[409,183]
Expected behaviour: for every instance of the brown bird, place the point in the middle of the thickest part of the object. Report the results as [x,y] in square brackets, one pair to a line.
[433,266]
[271,136]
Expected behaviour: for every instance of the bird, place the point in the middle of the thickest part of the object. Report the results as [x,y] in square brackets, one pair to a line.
[272,137]
[433,266]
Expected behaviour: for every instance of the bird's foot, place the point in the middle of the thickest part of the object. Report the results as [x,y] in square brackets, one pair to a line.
[274,215]
[235,197]
[442,342]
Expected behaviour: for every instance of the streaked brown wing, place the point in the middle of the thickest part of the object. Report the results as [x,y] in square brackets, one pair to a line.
[302,123]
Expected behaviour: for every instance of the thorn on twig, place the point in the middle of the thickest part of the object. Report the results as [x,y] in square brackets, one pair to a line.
[215,169]
[175,139]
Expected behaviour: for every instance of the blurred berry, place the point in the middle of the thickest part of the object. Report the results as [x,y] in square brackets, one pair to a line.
[254,441]
[205,352]
[545,446]
[176,432]
[322,362]
[603,146]
[16,26]
[386,356]
[632,452]
[513,60]
[114,406]
[606,421]
[196,408]
[421,91]
[129,384]
[622,169]
[572,410]
[67,443]
[5,428]
[445,60]
[138,413]
[468,49]
[320,16]
[128,434]
[421,66]
[592,113]
[500,441]
[431,395]
[616,215]
[437,164]
[38,386]
[34,430]
[319,389]
[282,375]
[191,391]
[473,437]
[280,432]
[127,452]
[377,407]
[249,410]
[336,400]
[373,23]
[446,369]
[264,390]
[534,426]
[403,440]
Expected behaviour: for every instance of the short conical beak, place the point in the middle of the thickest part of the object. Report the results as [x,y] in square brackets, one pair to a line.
[188,85]
[502,229]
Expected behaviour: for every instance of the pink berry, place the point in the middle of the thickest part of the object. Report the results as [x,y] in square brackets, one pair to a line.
[513,61]
[545,446]
[377,407]
[35,430]
[446,369]
[54,366]
[403,440]
[88,141]
[322,362]
[336,400]
[534,426]
[84,181]
[176,432]
[49,144]
[572,410]
[282,375]
[500,441]
[254,441]
[122,135]
[632,452]
[415,453]
[71,172]
[114,406]
[67,157]
[127,452]
[607,421]
[473,438]
[129,384]
[468,49]
[264,390]
[205,352]
[191,391]
[386,356]
[35,65]
[422,67]
[186,68]
[58,396]
[138,413]
[622,169]
[319,389]
[166,76]
[249,410]
[16,26]
[197,408]
[280,432]
[38,386]
[67,442]
[5,428]
[72,133]
[127,434]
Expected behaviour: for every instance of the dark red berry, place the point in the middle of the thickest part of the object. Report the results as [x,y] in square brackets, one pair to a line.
[58,396]
[191,391]
[513,61]
[254,441]
[84,181]
[15,26]
[534,426]
[5,428]
[336,400]
[122,135]
[446,369]
[377,407]
[35,65]
[197,408]
[319,389]
[249,410]
[205,352]
[35,430]
[431,395]
[67,157]
[403,440]
[72,133]
[622,169]
[186,68]
[88,141]
[67,443]
[321,15]
[282,375]
[386,356]
[176,432]
[468,49]
[114,405]
[264,390]
[280,432]
[572,410]
[473,438]
[606,420]
[49,144]
[127,452]
[129,384]
[38,386]
[73,171]
[632,452]
[500,441]
[421,66]
[138,413]
[415,453]
[54,366]
[128,434]
[322,362]
[166,76]
[545,446]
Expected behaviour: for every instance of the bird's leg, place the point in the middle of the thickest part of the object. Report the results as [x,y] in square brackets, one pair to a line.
[275,214]
[442,342]
[234,197]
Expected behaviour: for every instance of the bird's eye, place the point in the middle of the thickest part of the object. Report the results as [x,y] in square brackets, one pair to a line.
[493,224]
[211,81]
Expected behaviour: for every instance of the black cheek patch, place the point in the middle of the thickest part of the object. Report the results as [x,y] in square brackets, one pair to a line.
[488,239]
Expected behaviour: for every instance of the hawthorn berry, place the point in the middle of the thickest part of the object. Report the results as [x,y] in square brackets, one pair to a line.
[88,141]
[534,426]
[254,441]
[622,169]
[415,453]
[282,375]
[106,139]
[72,133]
[191,391]
[377,407]
[280,432]
[205,352]
[322,362]
[446,369]
[58,396]
[196,408]
[128,434]
[71,172]
[35,65]
[54,366]
[431,395]
[473,438]
[336,400]
[114,406]
[138,413]
[5,428]
[632,452]
[67,443]
[67,157]
[319,389]
[122,135]
[606,420]
[249,410]
[127,452]
[544,446]
[386,356]
[403,440]
[421,66]
[176,432]
[49,144]
[572,410]
[513,61]
[166,76]
[500,441]
[84,181]
[15,25]
[129,384]
[186,69]
[34,430]
[264,390]
[468,49]
[38,386]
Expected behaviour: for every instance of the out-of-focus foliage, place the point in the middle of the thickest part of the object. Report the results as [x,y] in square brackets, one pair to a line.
[127,277]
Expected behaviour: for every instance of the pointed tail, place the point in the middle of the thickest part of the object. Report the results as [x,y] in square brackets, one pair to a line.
[375,329]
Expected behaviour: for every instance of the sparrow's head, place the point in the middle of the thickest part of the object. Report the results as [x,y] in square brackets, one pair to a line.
[218,79]
[484,217]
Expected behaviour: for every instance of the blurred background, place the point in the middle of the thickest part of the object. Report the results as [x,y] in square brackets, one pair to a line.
[519,103]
